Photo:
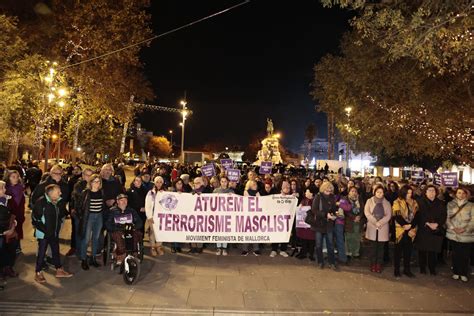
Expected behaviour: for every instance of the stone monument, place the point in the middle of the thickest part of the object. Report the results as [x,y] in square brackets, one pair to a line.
[270,147]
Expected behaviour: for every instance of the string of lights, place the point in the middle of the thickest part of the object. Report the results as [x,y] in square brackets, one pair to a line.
[156,36]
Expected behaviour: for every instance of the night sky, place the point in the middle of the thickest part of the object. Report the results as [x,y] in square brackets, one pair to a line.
[239,68]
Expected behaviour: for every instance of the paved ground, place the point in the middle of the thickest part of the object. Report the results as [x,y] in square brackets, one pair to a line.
[207,284]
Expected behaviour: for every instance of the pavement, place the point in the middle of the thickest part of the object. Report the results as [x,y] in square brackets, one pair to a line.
[210,285]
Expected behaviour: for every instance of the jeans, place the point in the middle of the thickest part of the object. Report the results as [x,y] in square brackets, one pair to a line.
[42,246]
[341,247]
[329,245]
[94,227]
[222,245]
[78,239]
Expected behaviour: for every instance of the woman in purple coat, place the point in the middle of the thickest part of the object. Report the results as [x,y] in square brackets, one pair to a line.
[306,235]
[16,190]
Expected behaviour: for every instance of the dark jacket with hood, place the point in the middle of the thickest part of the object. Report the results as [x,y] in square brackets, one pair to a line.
[47,217]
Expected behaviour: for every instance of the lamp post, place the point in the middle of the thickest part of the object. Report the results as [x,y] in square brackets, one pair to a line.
[348,151]
[61,106]
[184,112]
[171,137]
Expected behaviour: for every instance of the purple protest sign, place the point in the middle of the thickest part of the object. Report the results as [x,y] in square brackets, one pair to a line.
[208,170]
[233,175]
[123,219]
[266,167]
[227,163]
[449,179]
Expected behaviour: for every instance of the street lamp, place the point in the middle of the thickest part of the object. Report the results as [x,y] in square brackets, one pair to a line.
[184,112]
[348,111]
[61,106]
[171,136]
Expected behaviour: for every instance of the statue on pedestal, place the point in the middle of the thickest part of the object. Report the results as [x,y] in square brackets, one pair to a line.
[270,147]
[269,127]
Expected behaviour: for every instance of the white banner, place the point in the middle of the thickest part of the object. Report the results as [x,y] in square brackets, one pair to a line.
[223,218]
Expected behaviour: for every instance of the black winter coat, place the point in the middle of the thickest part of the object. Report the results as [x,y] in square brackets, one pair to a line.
[40,190]
[136,197]
[322,224]
[53,214]
[432,212]
[82,210]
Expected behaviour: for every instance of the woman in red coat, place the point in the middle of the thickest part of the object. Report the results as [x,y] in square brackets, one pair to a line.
[16,190]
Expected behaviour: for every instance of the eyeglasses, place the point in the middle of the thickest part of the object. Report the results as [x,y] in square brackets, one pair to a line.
[57,173]
[96,181]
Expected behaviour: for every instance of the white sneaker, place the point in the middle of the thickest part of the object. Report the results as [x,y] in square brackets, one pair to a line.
[283,254]
[218,252]
[464,278]
[273,254]
[455,277]
[224,252]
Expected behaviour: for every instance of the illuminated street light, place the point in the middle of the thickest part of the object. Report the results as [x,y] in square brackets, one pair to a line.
[78,149]
[54,136]
[62,92]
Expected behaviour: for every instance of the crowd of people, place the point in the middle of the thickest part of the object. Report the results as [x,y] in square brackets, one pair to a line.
[343,212]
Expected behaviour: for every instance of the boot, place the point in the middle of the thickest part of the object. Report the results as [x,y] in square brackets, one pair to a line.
[372,268]
[160,250]
[93,262]
[84,265]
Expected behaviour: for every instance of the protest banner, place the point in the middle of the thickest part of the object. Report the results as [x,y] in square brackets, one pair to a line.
[449,179]
[233,175]
[417,176]
[437,179]
[208,170]
[301,215]
[266,167]
[227,164]
[230,218]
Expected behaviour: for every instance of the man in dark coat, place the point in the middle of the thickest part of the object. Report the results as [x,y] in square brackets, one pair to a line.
[55,177]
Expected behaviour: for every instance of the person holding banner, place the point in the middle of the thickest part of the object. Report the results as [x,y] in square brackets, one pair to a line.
[285,190]
[150,200]
[460,232]
[251,189]
[199,188]
[306,235]
[223,188]
[324,209]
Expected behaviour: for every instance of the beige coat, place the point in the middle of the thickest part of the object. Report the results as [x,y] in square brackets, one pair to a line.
[383,231]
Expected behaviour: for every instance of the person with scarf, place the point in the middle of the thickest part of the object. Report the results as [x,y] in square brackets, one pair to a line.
[150,200]
[223,188]
[378,213]
[404,211]
[430,219]
[324,210]
[16,190]
[352,225]
[306,235]
[460,232]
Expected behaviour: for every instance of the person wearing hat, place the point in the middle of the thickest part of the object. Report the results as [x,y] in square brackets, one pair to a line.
[115,230]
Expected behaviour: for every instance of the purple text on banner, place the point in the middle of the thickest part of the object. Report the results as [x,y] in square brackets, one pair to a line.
[208,170]
[266,167]
[233,175]
[227,163]
[449,179]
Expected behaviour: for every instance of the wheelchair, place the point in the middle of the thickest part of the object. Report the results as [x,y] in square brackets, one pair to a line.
[130,267]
